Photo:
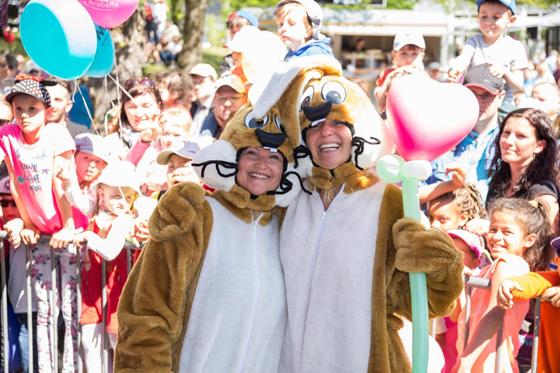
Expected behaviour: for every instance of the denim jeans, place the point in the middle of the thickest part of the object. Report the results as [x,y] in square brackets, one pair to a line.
[23,341]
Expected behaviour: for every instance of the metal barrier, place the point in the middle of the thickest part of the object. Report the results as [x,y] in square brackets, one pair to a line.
[105,363]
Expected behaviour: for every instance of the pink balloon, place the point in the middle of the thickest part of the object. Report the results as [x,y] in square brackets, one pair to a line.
[427,118]
[110,13]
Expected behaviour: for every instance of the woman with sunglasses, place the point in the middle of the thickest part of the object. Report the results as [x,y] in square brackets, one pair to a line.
[141,107]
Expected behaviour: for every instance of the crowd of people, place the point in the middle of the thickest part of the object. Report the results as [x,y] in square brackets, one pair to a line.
[219,281]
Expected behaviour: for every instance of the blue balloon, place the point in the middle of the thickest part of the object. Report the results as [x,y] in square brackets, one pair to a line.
[59,36]
[105,56]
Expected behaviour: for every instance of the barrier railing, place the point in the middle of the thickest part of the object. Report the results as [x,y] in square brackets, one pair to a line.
[53,329]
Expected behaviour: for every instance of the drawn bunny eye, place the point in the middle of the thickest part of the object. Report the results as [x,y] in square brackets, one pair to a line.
[306,97]
[333,92]
[278,122]
[254,123]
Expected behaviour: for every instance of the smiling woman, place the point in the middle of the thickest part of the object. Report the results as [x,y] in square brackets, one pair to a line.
[525,163]
[141,107]
[207,294]
[259,170]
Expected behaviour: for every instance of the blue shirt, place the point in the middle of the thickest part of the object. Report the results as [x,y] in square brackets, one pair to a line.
[313,46]
[474,154]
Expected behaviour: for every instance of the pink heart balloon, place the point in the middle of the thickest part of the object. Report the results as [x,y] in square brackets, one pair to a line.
[428,118]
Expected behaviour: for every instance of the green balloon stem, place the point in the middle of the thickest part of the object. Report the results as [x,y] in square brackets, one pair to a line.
[418,287]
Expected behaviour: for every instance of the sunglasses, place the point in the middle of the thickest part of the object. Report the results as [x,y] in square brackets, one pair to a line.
[7,202]
[144,82]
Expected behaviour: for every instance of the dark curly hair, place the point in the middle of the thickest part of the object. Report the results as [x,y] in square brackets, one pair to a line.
[468,199]
[532,218]
[543,167]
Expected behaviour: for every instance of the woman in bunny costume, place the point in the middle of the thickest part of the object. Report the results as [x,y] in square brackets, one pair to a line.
[346,249]
[207,294]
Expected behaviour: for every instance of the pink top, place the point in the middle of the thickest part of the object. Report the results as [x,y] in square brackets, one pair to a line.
[32,170]
[480,353]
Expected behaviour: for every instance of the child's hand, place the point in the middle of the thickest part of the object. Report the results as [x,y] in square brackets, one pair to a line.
[61,239]
[141,231]
[478,226]
[552,295]
[13,228]
[29,236]
[150,134]
[498,70]
[453,76]
[81,237]
[183,174]
[458,176]
[505,293]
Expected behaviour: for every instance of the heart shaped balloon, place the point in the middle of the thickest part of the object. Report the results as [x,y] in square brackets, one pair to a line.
[427,118]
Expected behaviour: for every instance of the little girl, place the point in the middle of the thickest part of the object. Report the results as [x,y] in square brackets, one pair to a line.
[450,212]
[117,188]
[546,285]
[35,153]
[518,240]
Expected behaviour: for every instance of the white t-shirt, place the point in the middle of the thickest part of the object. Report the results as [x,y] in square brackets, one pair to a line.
[506,51]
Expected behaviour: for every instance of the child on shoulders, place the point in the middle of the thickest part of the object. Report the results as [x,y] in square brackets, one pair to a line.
[298,23]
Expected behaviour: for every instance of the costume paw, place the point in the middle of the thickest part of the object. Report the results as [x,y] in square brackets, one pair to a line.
[422,250]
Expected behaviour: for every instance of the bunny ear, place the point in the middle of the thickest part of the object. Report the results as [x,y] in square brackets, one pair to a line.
[264,96]
[216,165]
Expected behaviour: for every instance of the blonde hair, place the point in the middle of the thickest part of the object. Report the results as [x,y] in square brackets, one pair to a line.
[283,10]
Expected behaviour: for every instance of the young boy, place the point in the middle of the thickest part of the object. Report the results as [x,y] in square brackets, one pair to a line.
[507,57]
[407,55]
[92,156]
[178,162]
[298,26]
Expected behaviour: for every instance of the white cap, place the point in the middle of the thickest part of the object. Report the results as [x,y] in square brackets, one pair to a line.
[205,70]
[93,144]
[187,150]
[231,80]
[408,37]
[244,39]
[119,174]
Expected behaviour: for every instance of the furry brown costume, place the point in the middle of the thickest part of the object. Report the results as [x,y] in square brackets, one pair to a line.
[159,296]
[314,90]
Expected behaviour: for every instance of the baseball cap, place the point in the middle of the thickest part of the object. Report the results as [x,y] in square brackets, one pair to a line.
[231,80]
[93,144]
[187,150]
[119,174]
[244,14]
[313,10]
[244,39]
[473,241]
[205,70]
[28,85]
[510,4]
[480,76]
[408,38]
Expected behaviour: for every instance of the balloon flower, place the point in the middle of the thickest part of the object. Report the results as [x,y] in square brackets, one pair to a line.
[426,119]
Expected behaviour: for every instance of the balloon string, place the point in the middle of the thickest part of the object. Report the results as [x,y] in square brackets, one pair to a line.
[121,135]
[119,86]
[77,88]
[105,119]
